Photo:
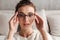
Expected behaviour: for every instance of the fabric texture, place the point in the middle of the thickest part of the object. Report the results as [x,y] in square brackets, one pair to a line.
[36,35]
[55,37]
[54,23]
[5,16]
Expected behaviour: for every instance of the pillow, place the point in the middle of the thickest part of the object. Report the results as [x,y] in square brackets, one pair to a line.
[55,37]
[42,14]
[54,23]
[4,19]
[2,37]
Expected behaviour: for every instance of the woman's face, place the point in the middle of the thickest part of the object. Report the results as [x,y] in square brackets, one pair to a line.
[26,16]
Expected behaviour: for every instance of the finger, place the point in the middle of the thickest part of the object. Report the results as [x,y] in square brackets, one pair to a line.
[16,14]
[39,18]
[36,20]
[17,19]
[14,17]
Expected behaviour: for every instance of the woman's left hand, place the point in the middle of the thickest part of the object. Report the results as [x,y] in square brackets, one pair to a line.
[39,22]
[40,26]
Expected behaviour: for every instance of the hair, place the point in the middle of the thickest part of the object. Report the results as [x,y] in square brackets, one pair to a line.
[24,3]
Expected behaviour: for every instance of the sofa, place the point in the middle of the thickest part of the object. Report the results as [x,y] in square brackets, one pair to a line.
[51,22]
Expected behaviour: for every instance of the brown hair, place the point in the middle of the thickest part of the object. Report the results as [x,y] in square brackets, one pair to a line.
[24,3]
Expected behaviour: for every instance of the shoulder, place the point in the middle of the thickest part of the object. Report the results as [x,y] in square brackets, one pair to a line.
[38,35]
[37,32]
[16,35]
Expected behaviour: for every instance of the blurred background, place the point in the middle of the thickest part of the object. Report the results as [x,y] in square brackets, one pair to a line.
[7,8]
[49,10]
[40,4]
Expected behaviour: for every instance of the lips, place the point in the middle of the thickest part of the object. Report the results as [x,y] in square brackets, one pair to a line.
[26,24]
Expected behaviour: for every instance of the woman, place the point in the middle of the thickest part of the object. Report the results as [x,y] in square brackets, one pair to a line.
[24,16]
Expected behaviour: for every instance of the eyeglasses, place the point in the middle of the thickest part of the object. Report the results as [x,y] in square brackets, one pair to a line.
[24,15]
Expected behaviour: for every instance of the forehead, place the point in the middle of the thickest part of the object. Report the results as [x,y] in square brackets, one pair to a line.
[26,9]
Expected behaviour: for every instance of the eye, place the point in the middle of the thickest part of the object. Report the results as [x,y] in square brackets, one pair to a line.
[30,14]
[21,14]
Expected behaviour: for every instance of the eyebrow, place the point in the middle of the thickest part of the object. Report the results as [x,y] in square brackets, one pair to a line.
[28,13]
[20,12]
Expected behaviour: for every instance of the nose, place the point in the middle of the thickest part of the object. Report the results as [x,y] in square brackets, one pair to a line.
[26,20]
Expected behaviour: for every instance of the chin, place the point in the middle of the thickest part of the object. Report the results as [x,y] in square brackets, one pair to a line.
[26,26]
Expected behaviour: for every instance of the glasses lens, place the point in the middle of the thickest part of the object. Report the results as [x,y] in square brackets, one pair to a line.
[23,15]
[30,15]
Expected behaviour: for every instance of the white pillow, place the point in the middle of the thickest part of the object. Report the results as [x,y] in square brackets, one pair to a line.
[54,23]
[2,37]
[4,19]
[55,37]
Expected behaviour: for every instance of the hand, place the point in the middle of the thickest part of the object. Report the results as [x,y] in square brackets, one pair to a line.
[39,22]
[13,23]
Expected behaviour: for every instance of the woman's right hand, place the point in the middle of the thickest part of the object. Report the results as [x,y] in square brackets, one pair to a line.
[13,23]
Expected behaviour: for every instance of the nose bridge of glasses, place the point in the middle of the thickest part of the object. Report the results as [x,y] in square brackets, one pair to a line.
[26,18]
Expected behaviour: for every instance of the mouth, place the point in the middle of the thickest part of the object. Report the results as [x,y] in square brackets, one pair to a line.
[26,24]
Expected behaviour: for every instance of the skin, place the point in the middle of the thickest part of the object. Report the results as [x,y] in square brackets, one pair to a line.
[27,20]
[26,23]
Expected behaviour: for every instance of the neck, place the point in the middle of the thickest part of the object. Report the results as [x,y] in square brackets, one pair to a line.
[26,32]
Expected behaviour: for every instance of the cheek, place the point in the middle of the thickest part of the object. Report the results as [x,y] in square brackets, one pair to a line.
[32,19]
[20,21]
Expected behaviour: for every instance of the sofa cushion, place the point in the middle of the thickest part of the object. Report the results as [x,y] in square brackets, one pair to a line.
[54,23]
[4,19]
[55,37]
